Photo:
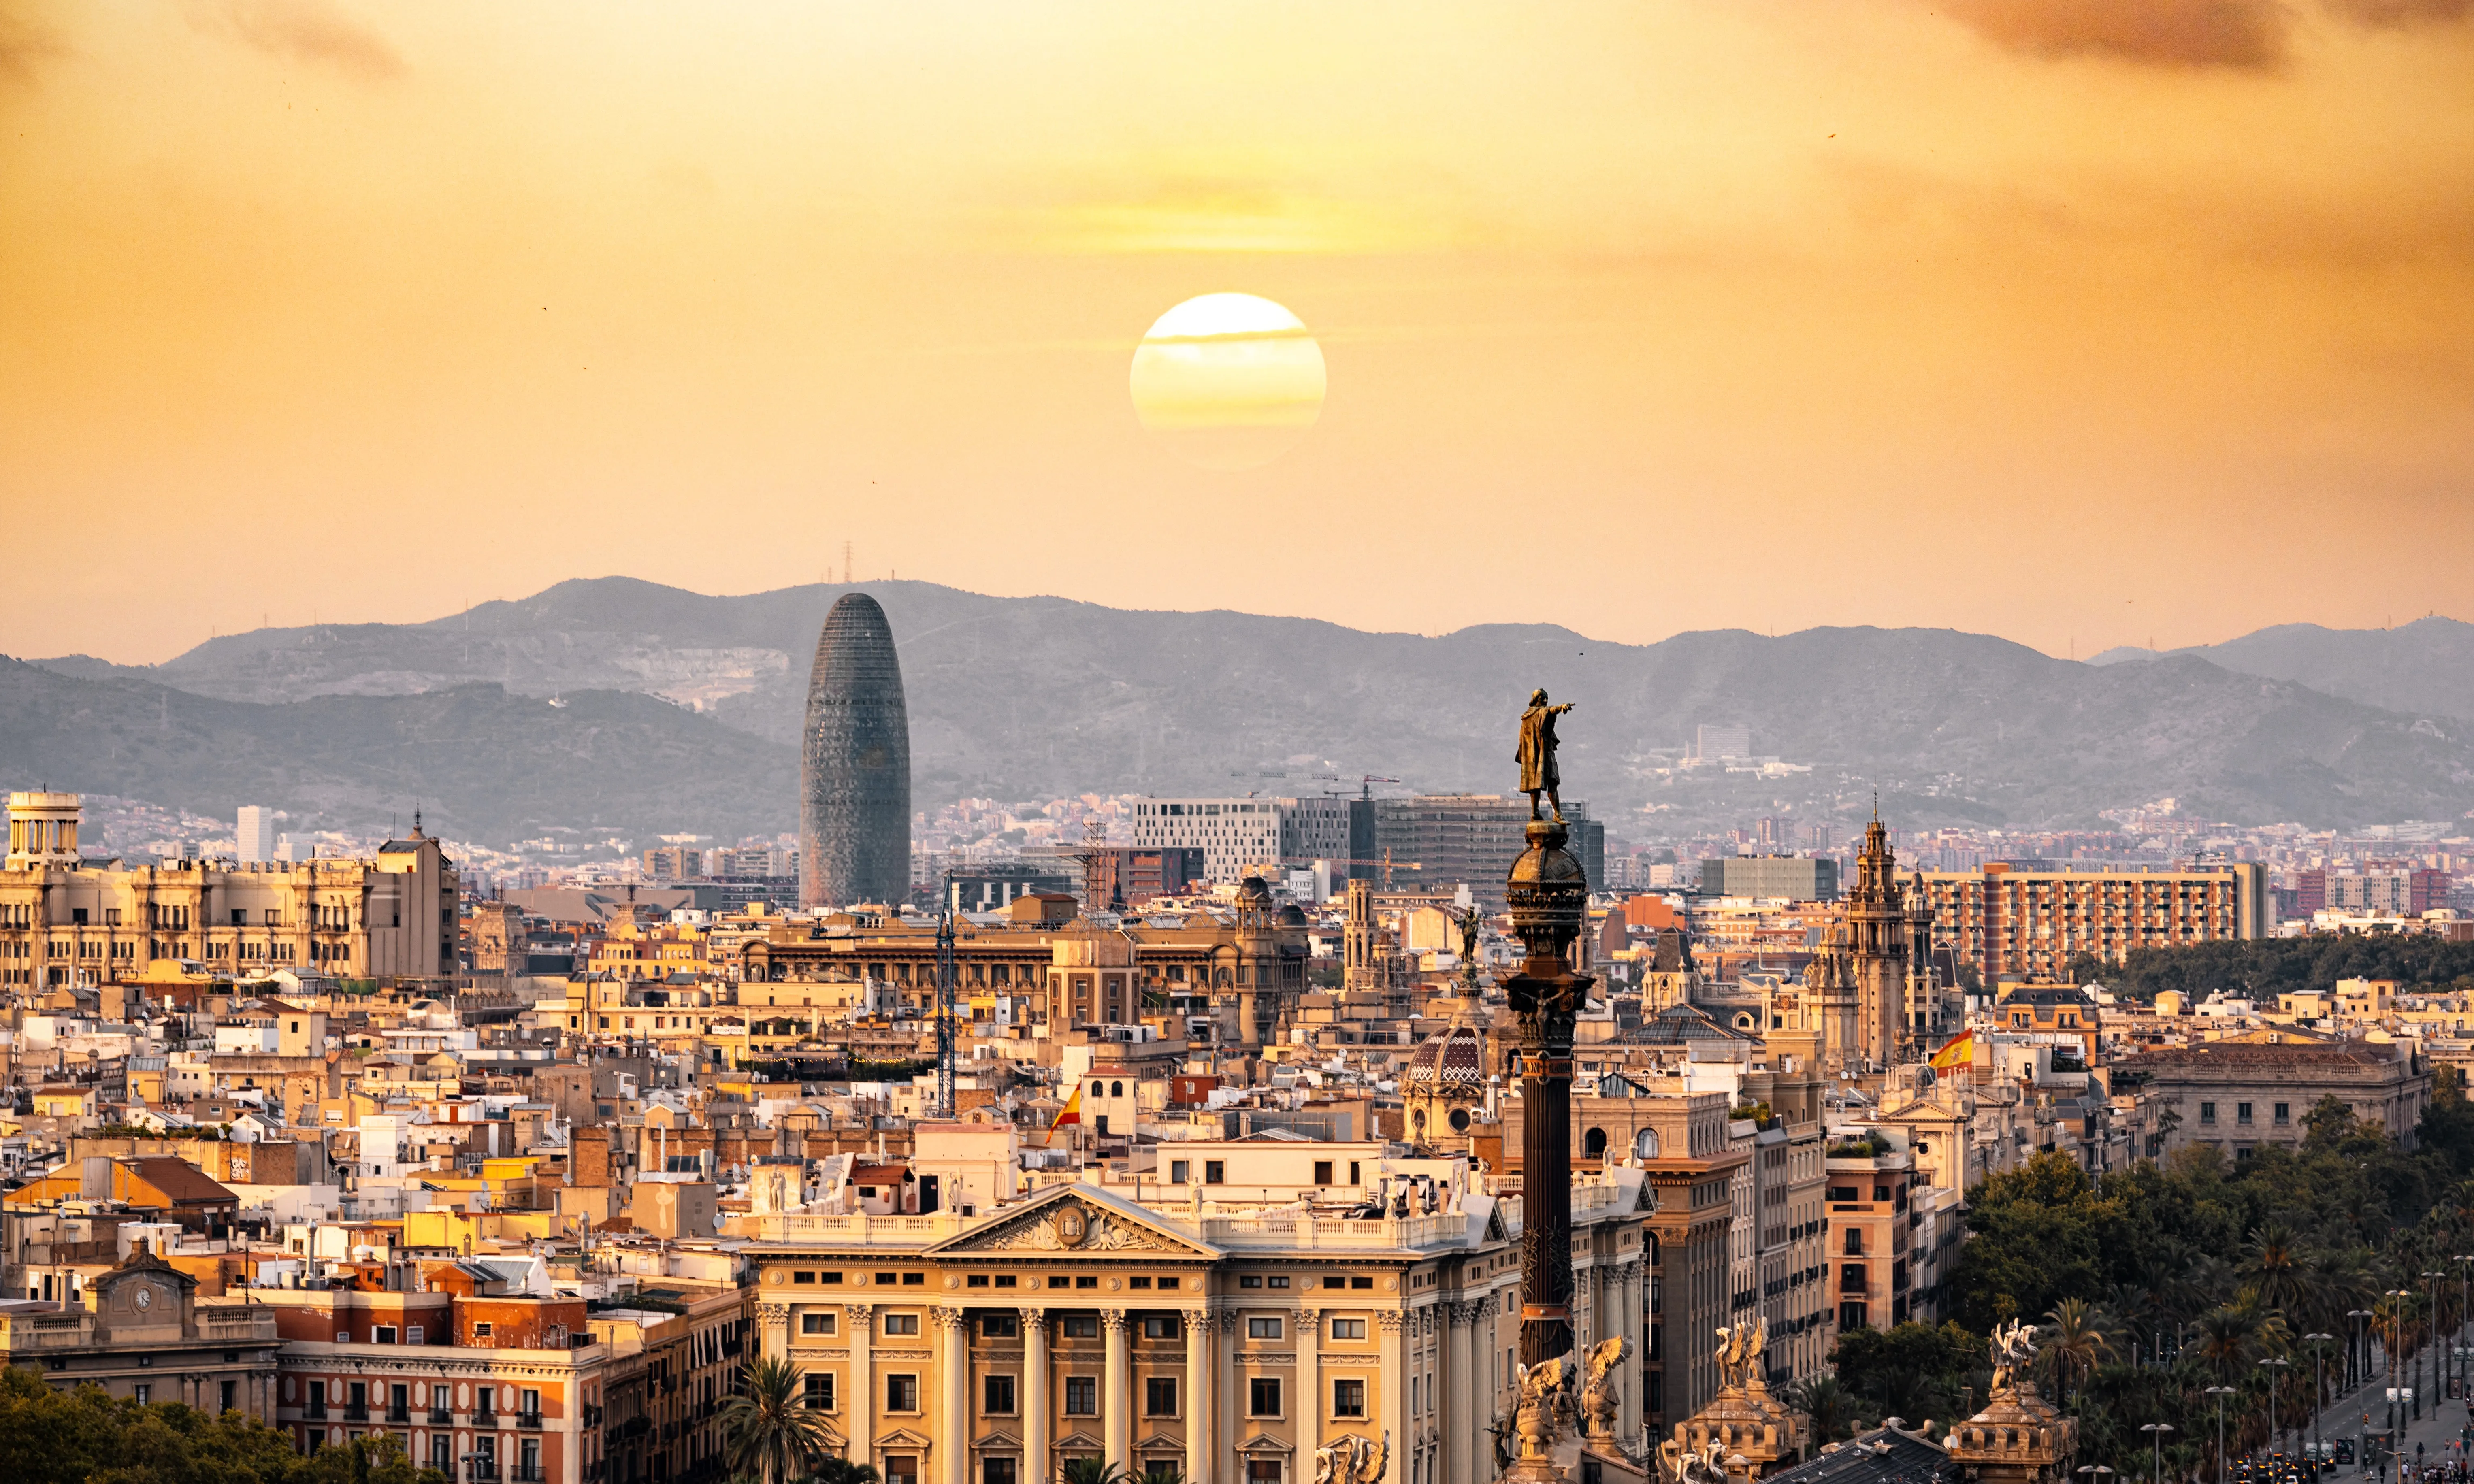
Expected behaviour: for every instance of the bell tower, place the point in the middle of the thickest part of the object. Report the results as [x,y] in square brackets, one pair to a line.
[1877,949]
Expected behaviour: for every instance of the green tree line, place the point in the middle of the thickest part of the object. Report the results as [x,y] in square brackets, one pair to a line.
[85,1437]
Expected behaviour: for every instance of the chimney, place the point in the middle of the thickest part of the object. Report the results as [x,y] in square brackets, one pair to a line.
[95,1177]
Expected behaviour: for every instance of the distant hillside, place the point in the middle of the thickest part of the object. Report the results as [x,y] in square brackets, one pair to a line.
[1023,697]
[2425,668]
[480,762]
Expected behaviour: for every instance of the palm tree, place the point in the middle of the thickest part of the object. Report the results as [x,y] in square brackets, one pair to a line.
[2074,1342]
[1828,1405]
[2274,1270]
[838,1470]
[1091,1471]
[769,1433]
[2229,1336]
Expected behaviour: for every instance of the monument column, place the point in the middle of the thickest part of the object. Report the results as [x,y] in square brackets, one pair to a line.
[954,1392]
[1202,1401]
[859,1406]
[1035,1408]
[1116,1392]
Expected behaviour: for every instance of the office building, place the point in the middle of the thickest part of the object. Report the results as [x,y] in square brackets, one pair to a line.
[854,763]
[257,832]
[1780,878]
[1437,842]
[1243,837]
[1120,879]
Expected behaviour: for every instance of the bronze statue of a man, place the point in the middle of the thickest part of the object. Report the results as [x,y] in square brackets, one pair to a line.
[1536,755]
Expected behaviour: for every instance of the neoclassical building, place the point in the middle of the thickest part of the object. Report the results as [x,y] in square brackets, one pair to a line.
[1224,1343]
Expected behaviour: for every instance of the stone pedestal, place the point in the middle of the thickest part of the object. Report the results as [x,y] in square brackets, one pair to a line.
[1743,1420]
[2018,1438]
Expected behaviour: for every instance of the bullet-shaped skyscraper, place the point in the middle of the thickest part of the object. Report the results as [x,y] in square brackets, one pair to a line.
[854,763]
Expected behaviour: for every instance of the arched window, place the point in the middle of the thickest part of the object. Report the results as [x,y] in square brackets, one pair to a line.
[1593,1144]
[1094,1089]
[1116,1089]
[1644,1144]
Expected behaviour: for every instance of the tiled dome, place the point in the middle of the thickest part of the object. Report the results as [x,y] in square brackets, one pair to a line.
[1453,1058]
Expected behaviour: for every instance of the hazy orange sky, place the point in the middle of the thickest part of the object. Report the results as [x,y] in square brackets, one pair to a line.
[2076,321]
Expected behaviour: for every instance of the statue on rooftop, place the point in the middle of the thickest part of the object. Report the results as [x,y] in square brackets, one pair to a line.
[1539,774]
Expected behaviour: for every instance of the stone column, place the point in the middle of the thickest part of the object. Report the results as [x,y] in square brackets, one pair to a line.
[1452,1380]
[773,1330]
[954,1392]
[859,1407]
[1117,1392]
[1202,1398]
[1636,1369]
[1229,1422]
[1035,1407]
[1391,1383]
[1309,1414]
[1478,1344]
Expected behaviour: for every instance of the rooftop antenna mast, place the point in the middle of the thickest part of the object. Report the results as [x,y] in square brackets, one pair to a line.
[945,1027]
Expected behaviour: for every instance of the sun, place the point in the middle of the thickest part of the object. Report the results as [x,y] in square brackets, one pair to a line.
[1229,380]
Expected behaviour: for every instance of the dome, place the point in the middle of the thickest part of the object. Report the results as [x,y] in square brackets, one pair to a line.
[1291,917]
[1451,1059]
[1253,890]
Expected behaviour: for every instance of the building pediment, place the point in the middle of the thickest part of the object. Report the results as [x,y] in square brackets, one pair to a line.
[1265,1442]
[1075,1221]
[902,1439]
[1078,1441]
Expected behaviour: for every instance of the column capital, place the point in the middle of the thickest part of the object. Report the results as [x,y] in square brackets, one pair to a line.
[773,1313]
[860,1313]
[1197,1320]
[1391,1320]
[1033,1318]
[1113,1320]
[951,1318]
[1308,1319]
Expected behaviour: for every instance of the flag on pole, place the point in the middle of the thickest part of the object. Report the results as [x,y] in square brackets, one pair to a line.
[1071,1112]
[1959,1051]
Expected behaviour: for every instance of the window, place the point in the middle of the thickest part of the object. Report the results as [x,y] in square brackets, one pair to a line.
[1349,1330]
[1080,1326]
[1251,1280]
[1081,1396]
[1262,1471]
[975,1280]
[816,1321]
[1280,1281]
[820,1391]
[416,1335]
[2242,1112]
[901,1324]
[996,1395]
[1348,1397]
[1001,1326]
[2284,1114]
[141,1394]
[1139,1280]
[1215,1172]
[1263,1396]
[1844,1193]
[998,1470]
[902,1394]
[1085,1280]
[2207,1113]
[1180,1172]
[1855,1241]
[1361,1283]
[914,1281]
[481,1329]
[808,1276]
[1167,1282]
[385,1334]
[885,1279]
[1851,1277]
[1059,1281]
[1334,1281]
[1159,1326]
[1262,1328]
[1159,1397]
[1323,1172]
[901,1469]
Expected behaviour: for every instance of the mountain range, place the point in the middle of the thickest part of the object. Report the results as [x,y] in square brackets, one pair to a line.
[621,704]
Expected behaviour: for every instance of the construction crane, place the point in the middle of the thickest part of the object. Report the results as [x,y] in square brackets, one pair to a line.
[945,1010]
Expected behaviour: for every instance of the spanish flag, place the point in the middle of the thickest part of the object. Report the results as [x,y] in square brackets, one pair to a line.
[1960,1052]
[1071,1112]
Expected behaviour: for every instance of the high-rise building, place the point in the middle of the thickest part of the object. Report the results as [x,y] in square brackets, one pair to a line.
[257,835]
[1471,839]
[854,763]
[2001,920]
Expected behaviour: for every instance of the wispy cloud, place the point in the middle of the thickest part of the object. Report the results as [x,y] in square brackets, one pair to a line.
[311,31]
[2170,33]
[25,45]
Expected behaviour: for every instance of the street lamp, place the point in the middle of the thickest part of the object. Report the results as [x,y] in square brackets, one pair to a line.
[2356,1363]
[2220,1393]
[2464,1290]
[2280,1364]
[2396,1298]
[2097,1472]
[2156,1449]
[2318,1344]
[2431,1281]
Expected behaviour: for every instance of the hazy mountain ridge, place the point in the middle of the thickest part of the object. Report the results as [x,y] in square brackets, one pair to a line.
[2425,668]
[1027,698]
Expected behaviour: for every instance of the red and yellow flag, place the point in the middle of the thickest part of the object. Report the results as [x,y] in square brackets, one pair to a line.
[1959,1051]
[1071,1112]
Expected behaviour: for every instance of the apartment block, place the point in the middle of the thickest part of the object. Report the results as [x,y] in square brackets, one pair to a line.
[2007,921]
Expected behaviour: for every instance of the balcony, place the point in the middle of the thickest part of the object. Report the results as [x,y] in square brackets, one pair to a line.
[440,1417]
[484,1417]
[526,1474]
[398,1414]
[530,1421]
[315,1411]
[483,1472]
[356,1411]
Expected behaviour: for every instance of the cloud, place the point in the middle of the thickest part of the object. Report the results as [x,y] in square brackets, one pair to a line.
[314,30]
[25,44]
[2402,13]
[2248,34]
